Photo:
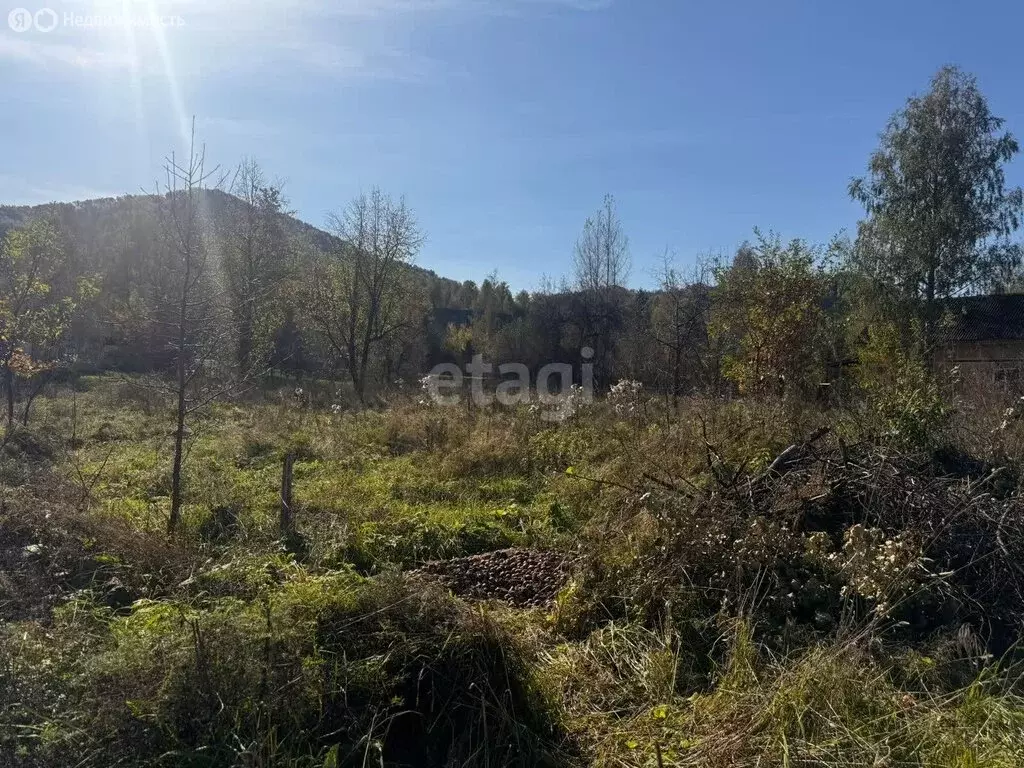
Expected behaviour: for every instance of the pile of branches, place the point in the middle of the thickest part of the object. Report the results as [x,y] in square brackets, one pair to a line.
[783,542]
[967,517]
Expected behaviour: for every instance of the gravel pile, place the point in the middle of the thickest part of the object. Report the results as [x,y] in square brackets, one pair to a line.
[522,577]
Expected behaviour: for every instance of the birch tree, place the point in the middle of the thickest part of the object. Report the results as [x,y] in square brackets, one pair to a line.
[939,212]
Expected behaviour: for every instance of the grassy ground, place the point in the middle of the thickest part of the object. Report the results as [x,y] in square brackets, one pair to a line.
[709,621]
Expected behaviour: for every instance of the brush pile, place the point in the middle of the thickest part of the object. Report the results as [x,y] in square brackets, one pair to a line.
[827,533]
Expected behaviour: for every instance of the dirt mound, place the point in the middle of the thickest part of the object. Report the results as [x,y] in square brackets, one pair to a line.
[522,577]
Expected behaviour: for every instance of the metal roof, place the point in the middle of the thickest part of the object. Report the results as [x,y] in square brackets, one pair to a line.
[997,317]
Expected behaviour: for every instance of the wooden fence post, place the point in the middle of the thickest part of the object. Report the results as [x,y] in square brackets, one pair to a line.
[286,493]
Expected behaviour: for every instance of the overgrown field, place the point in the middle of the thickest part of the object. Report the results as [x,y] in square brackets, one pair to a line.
[744,583]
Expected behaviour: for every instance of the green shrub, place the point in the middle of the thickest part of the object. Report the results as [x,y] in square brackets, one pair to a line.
[901,393]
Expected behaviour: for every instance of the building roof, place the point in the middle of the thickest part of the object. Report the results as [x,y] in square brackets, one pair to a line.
[998,317]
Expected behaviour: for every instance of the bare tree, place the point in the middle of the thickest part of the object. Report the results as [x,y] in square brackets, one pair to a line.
[679,323]
[601,264]
[256,262]
[356,295]
[184,233]
[601,260]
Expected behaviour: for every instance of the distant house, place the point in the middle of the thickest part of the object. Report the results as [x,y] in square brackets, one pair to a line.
[984,337]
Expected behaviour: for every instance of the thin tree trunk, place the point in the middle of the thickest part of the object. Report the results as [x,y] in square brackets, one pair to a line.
[36,391]
[179,442]
[362,378]
[179,432]
[245,342]
[353,372]
[930,316]
[676,378]
[371,322]
[9,387]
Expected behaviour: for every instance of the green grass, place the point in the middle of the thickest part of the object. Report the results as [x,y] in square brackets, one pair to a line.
[361,492]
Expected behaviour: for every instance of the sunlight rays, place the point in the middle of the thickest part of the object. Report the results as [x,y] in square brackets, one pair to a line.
[136,78]
[169,73]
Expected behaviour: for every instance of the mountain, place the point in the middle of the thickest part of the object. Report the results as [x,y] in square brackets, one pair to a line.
[85,218]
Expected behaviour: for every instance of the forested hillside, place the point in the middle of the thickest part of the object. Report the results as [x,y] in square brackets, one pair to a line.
[258,254]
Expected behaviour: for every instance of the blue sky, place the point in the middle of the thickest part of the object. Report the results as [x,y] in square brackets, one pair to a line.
[503,122]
